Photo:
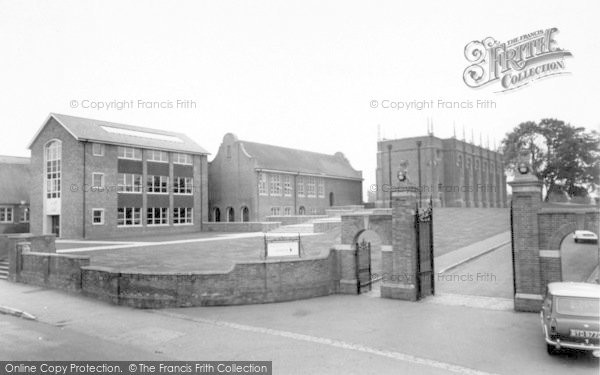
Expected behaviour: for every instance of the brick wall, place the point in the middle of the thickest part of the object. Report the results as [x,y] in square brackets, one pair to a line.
[240,227]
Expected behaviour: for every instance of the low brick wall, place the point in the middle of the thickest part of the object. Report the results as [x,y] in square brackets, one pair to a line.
[52,270]
[295,219]
[326,225]
[39,243]
[246,283]
[240,226]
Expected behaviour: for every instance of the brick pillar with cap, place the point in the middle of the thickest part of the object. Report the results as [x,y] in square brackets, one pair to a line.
[526,202]
[399,279]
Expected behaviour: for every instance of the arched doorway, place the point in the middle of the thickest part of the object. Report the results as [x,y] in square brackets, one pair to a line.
[230,215]
[579,257]
[245,214]
[216,214]
[331,199]
[301,210]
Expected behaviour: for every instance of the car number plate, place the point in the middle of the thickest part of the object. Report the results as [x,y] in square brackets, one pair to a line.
[585,334]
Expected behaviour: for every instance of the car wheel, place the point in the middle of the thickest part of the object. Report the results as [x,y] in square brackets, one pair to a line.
[551,349]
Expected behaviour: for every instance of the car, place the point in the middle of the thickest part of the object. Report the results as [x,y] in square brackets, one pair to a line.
[585,236]
[571,317]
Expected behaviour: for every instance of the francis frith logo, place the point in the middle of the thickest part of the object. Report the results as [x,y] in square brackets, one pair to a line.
[514,63]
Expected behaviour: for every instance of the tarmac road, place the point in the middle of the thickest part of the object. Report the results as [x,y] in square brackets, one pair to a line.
[329,335]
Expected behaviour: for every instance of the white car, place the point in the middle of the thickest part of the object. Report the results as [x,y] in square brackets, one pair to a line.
[585,236]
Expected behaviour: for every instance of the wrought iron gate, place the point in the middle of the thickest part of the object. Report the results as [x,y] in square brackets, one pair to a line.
[425,280]
[512,250]
[363,266]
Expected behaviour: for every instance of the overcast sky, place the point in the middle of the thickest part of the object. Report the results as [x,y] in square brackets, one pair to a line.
[296,74]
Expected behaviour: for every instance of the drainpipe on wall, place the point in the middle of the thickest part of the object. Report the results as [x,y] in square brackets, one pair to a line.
[83,190]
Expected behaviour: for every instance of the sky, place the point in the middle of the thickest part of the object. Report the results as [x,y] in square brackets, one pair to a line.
[302,74]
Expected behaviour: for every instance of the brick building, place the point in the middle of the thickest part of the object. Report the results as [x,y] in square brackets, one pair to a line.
[454,173]
[249,181]
[96,179]
[14,194]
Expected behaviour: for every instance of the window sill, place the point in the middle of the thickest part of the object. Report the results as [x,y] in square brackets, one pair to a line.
[130,226]
[183,225]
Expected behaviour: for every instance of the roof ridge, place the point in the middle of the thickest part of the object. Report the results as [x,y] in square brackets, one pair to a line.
[289,148]
[109,123]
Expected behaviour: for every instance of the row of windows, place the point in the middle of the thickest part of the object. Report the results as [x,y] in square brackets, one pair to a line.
[131,216]
[132,183]
[289,211]
[270,184]
[459,164]
[7,215]
[132,153]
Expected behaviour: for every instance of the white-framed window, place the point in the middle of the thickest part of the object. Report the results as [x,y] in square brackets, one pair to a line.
[130,153]
[275,184]
[6,214]
[300,187]
[262,184]
[129,183]
[157,216]
[321,188]
[158,156]
[97,179]
[183,185]
[185,159]
[97,149]
[158,184]
[310,187]
[287,185]
[275,211]
[183,215]
[25,215]
[98,216]
[53,156]
[129,216]
[287,211]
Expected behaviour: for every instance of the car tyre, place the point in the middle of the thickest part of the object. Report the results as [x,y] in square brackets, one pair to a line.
[551,349]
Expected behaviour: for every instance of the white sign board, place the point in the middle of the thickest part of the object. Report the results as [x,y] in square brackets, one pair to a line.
[283,249]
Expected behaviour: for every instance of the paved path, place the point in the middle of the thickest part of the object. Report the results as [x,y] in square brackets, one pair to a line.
[446,262]
[330,335]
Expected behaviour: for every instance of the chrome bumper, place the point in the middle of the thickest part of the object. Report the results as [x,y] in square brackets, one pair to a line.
[571,345]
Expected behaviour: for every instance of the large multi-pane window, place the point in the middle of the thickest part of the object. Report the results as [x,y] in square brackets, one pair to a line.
[300,186]
[53,169]
[182,159]
[129,183]
[158,184]
[275,184]
[310,187]
[183,185]
[321,188]
[183,215]
[287,211]
[157,216]
[287,185]
[6,214]
[275,211]
[262,184]
[158,156]
[130,153]
[129,216]
[97,149]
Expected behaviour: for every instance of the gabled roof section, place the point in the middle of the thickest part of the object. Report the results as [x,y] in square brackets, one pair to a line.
[14,179]
[85,129]
[299,161]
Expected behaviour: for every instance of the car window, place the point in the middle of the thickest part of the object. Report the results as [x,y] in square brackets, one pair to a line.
[578,306]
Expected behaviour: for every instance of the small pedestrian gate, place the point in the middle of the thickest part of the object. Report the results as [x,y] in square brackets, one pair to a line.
[425,280]
[363,266]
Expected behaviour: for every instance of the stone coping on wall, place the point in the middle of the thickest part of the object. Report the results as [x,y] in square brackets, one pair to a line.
[132,271]
[551,208]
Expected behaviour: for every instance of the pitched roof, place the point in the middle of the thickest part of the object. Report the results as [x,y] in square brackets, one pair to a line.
[292,160]
[14,179]
[85,129]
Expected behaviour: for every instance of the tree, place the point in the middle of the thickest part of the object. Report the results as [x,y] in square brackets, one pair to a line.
[564,157]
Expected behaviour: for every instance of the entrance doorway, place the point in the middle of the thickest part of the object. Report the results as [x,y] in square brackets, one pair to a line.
[55,225]
[331,199]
